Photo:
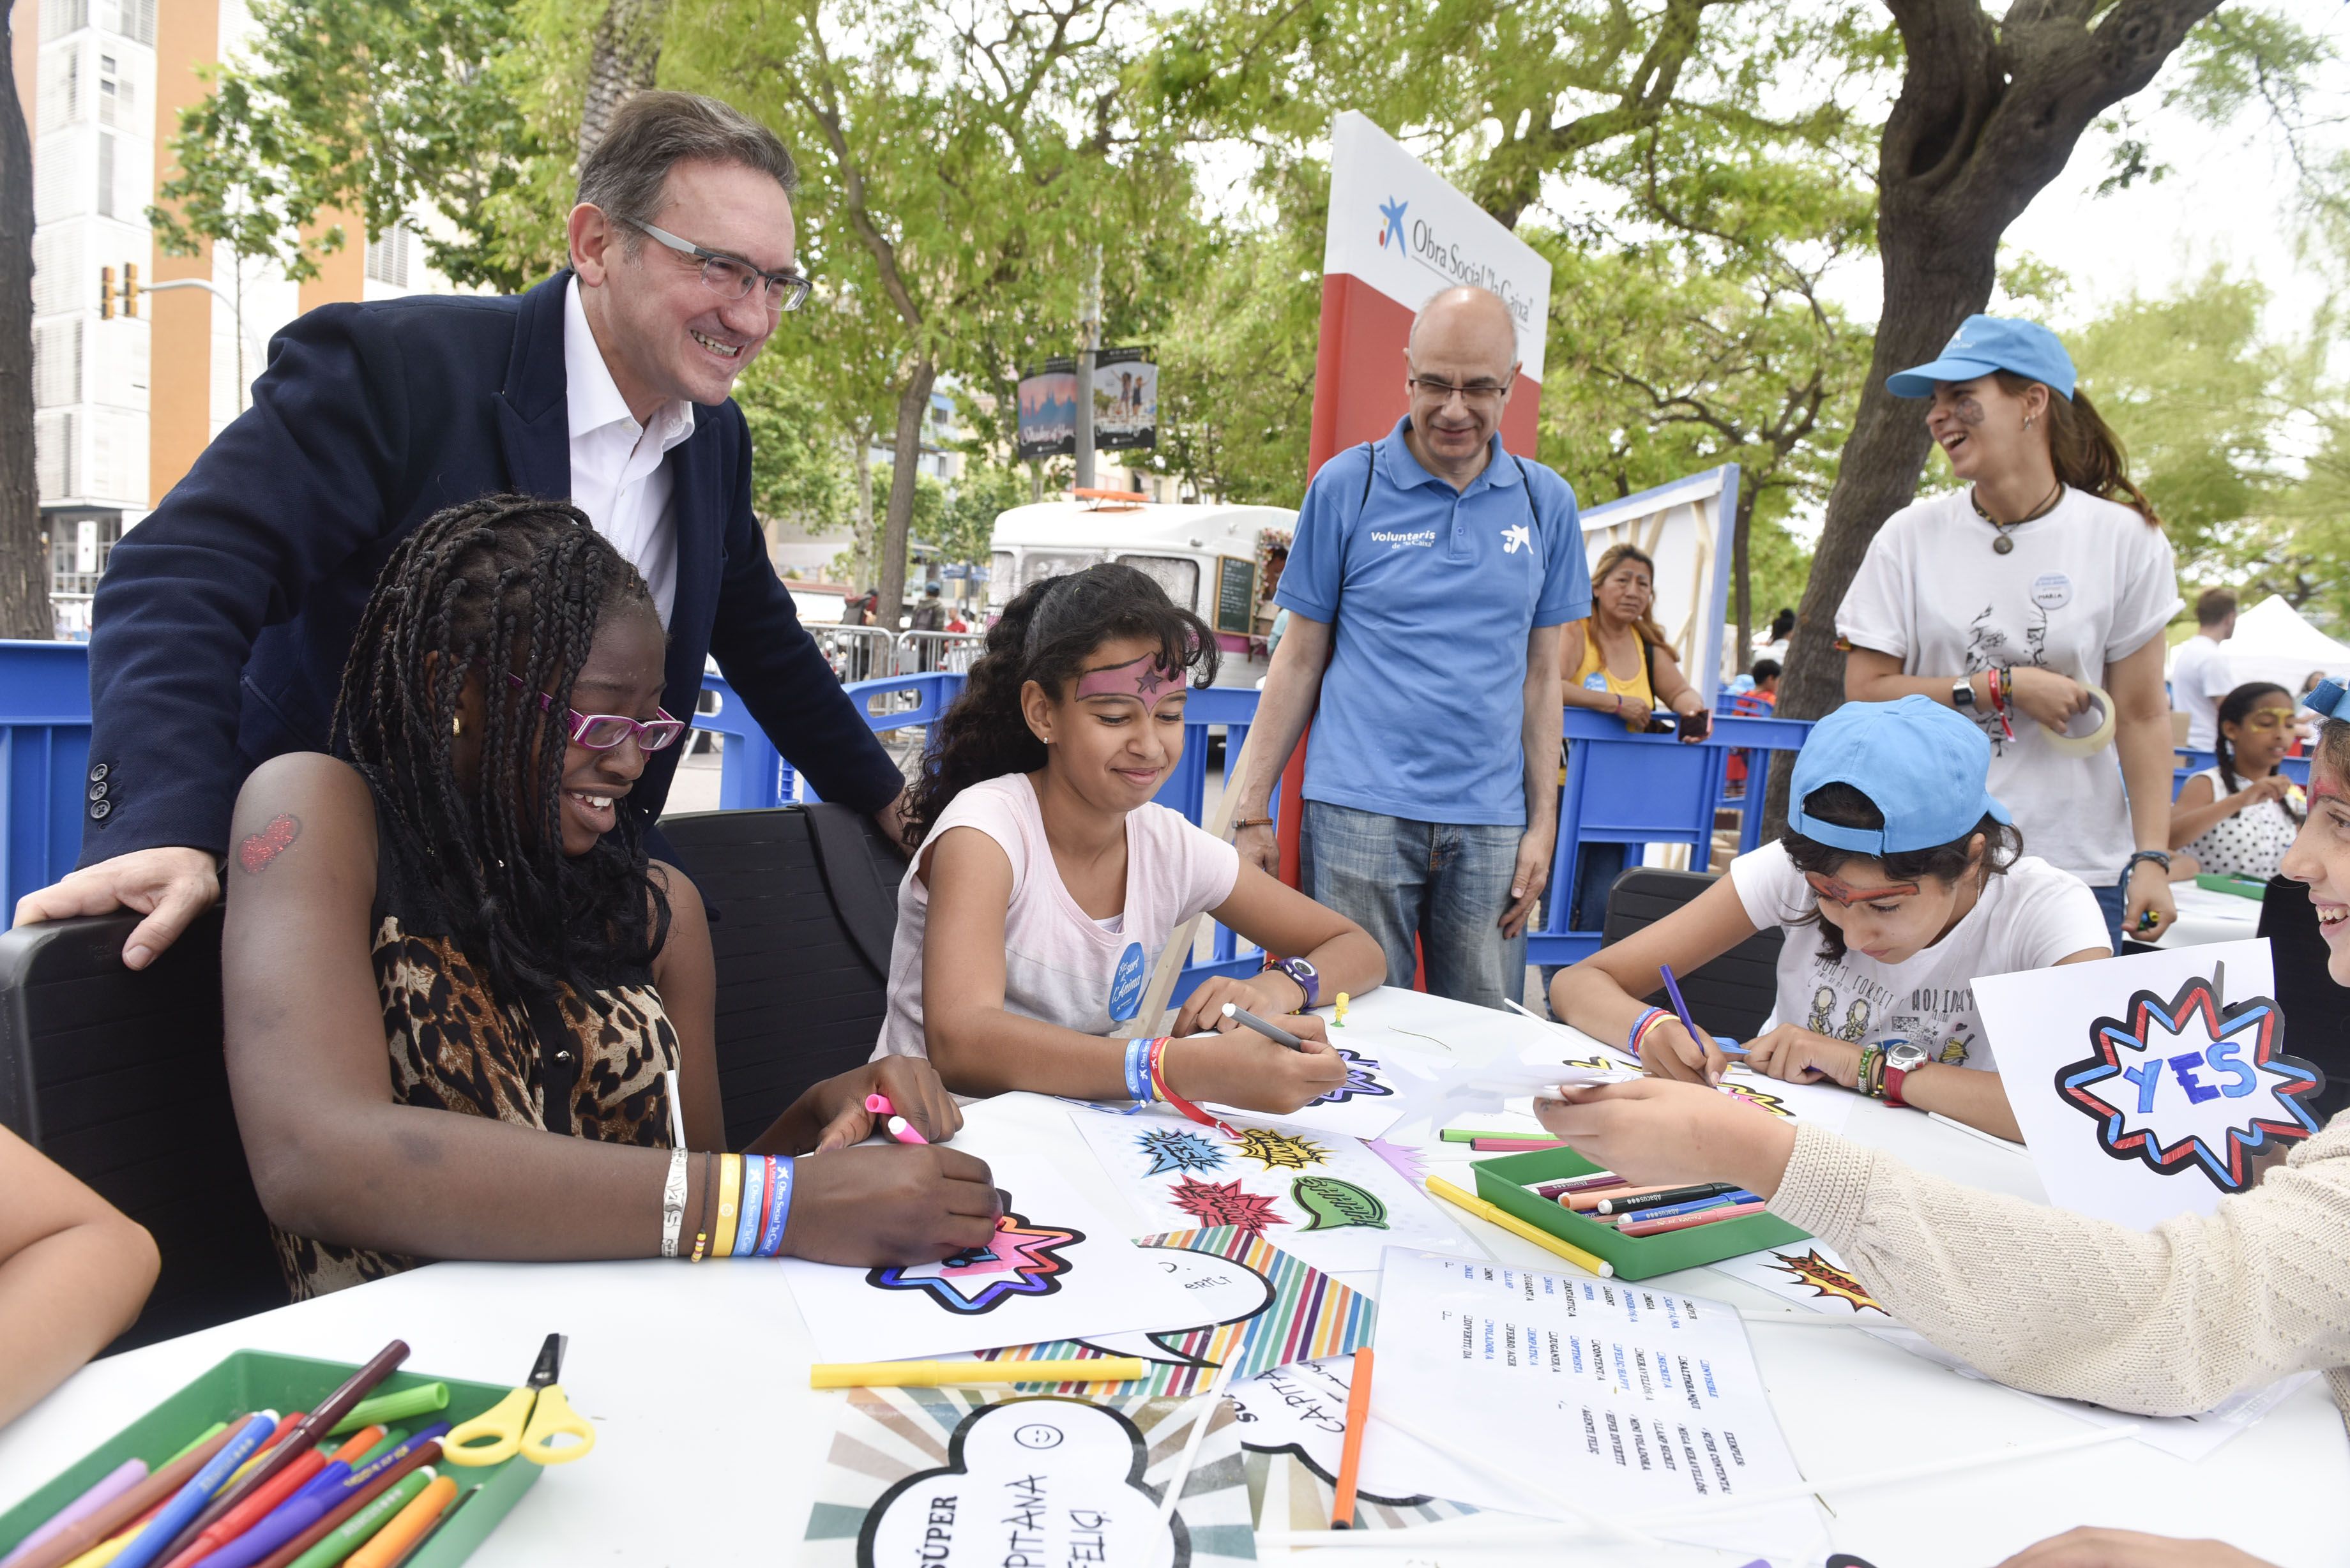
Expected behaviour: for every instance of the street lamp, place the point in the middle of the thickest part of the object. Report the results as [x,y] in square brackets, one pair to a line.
[236,311]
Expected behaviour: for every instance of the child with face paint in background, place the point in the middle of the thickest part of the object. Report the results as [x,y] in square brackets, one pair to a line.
[1045,881]
[1898,881]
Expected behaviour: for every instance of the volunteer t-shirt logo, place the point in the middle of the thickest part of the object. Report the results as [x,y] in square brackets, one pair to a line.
[1404,539]
[2052,590]
[1126,985]
[1515,535]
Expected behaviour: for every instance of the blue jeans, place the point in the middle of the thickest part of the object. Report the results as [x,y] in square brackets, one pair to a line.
[1446,885]
[2114,903]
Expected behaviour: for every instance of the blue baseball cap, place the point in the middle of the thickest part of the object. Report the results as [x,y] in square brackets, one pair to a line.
[1986,343]
[1920,764]
[2329,699]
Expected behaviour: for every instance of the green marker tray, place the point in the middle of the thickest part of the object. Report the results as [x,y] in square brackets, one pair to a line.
[1503,1183]
[2256,891]
[255,1380]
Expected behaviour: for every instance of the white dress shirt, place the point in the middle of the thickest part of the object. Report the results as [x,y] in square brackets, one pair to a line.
[617,475]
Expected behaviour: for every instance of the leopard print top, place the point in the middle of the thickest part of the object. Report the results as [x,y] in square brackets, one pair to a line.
[450,1046]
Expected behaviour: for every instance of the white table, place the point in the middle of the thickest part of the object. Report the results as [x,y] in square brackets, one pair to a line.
[710,1437]
[2205,916]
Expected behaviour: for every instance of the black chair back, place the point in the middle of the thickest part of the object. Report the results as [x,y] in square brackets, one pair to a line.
[1732,996]
[118,1077]
[806,904]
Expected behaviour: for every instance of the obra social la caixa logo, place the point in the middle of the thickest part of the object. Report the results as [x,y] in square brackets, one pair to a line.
[1391,212]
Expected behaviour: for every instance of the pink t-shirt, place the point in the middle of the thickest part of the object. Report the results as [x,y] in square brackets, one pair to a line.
[1060,965]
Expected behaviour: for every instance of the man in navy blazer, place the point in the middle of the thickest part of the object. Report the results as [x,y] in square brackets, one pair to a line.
[224,620]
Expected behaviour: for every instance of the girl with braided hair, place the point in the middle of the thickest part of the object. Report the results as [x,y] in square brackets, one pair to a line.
[458,994]
[1046,881]
[2238,818]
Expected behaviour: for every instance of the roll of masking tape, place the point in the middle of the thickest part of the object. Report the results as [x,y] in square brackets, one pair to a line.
[2066,743]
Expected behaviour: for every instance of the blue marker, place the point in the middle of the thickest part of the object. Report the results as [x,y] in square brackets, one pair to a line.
[1669,1211]
[190,1499]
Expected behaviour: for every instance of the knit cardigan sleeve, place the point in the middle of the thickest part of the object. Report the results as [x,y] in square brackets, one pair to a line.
[2161,1324]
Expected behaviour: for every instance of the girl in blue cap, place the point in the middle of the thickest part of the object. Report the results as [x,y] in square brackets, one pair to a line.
[2163,1323]
[2008,600]
[1899,880]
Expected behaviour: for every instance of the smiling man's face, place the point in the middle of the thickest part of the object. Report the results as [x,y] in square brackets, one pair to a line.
[664,333]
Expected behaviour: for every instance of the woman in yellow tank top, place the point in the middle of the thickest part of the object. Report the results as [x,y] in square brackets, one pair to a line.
[1619,661]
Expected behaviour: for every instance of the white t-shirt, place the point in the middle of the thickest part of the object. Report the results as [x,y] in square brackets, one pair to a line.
[2198,680]
[2086,586]
[2027,918]
[1060,964]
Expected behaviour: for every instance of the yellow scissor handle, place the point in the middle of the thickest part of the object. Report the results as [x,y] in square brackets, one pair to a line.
[502,1424]
[555,1419]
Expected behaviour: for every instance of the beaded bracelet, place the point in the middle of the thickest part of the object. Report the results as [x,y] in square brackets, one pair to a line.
[709,1196]
[1639,1027]
[730,1194]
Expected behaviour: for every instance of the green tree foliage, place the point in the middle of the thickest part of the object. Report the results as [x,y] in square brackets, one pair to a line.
[982,493]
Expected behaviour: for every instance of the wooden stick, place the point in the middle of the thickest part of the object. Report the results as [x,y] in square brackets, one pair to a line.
[1153,1013]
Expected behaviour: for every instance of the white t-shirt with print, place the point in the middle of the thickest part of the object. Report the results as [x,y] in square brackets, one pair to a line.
[2086,586]
[2028,918]
[2198,680]
[1060,964]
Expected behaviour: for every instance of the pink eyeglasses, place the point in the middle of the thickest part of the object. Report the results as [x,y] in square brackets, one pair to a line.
[602,731]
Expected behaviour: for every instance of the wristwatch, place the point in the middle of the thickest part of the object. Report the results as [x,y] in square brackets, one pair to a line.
[1304,973]
[1901,1058]
[1962,694]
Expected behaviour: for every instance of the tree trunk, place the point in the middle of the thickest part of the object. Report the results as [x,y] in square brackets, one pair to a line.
[622,61]
[905,466]
[23,562]
[860,453]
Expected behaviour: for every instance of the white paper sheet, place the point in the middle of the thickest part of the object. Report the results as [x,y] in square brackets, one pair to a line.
[1827,1105]
[1328,1202]
[1371,1101]
[1066,1271]
[1632,1397]
[2145,1091]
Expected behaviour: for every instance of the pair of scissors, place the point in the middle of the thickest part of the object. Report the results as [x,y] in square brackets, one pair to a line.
[526,1421]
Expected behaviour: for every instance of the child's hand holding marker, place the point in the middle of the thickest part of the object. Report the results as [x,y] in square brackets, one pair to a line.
[910,1086]
[1654,1134]
[1253,1071]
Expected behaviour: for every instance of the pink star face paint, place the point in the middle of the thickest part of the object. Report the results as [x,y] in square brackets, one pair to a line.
[1144,680]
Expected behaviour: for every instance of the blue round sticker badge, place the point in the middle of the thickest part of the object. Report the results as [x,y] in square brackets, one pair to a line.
[1126,986]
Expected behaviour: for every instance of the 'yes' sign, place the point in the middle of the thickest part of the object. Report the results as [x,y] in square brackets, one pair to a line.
[2189,1085]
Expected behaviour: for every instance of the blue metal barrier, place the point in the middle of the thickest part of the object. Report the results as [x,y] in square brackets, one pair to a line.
[43,764]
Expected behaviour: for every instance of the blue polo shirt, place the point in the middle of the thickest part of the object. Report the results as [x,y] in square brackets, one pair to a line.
[1432,593]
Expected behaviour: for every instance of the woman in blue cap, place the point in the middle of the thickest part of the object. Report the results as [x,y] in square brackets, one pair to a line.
[2008,600]
[1898,881]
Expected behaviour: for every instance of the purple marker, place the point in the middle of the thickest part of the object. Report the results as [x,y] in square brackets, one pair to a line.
[1681,1012]
[122,1479]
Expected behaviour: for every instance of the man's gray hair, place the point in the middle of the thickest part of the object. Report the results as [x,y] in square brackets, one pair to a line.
[654,131]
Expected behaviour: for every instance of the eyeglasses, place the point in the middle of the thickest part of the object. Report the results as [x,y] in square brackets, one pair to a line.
[1442,393]
[1838,891]
[602,731]
[731,277]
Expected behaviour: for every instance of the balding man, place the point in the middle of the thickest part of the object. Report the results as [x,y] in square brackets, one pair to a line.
[1426,587]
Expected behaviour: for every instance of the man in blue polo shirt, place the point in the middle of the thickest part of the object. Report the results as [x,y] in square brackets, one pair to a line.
[1429,575]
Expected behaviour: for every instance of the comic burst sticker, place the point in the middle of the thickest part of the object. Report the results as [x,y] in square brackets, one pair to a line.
[1826,1280]
[2190,1085]
[1171,1150]
[1280,1152]
[1019,1259]
[1224,1203]
[1362,1080]
[1761,1099]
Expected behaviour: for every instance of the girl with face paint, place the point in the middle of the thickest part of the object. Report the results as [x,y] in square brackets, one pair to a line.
[2043,575]
[1047,879]
[1898,881]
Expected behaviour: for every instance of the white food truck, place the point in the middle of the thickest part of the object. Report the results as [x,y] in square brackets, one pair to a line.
[1214,559]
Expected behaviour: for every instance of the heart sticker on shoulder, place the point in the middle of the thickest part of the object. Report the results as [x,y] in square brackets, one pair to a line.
[276,836]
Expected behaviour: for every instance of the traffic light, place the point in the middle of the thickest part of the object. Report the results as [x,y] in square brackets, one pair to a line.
[105,294]
[130,288]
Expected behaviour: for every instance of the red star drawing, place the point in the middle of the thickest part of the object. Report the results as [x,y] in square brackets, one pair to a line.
[1224,1204]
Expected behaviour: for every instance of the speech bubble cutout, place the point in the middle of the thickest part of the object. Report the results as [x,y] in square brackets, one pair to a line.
[1224,1292]
[1336,1205]
[1028,1483]
[1301,1409]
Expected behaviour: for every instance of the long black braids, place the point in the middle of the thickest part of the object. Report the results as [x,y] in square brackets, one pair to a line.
[1046,634]
[505,583]
[2234,709]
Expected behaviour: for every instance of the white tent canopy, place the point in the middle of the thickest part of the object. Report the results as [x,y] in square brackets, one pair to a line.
[2273,642]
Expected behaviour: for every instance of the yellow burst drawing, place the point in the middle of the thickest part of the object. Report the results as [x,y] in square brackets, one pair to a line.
[1826,1279]
[1762,1099]
[1280,1152]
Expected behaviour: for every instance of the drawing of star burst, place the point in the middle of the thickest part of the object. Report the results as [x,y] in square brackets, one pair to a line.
[1362,1079]
[1211,1203]
[1762,1099]
[1826,1279]
[1280,1152]
[1177,1150]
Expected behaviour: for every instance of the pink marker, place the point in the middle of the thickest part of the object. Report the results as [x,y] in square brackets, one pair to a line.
[897,1126]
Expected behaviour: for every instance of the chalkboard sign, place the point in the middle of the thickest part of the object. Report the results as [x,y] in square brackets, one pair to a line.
[1235,595]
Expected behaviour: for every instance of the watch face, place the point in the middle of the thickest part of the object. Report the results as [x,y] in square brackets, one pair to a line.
[1901,1056]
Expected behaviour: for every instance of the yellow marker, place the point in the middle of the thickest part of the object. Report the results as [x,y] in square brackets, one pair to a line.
[1339,1016]
[1508,1221]
[950,1374]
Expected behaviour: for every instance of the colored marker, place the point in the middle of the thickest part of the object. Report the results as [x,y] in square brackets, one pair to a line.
[955,1374]
[897,1126]
[190,1499]
[263,1501]
[113,1484]
[122,1517]
[1588,1199]
[1626,1202]
[424,1399]
[1694,1205]
[1493,1215]
[1564,1185]
[1272,1031]
[433,1529]
[293,1550]
[408,1525]
[1471,1134]
[1514,1145]
[1350,1450]
[353,1533]
[1640,1226]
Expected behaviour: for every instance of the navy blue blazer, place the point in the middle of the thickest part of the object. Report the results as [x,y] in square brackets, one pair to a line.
[224,620]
